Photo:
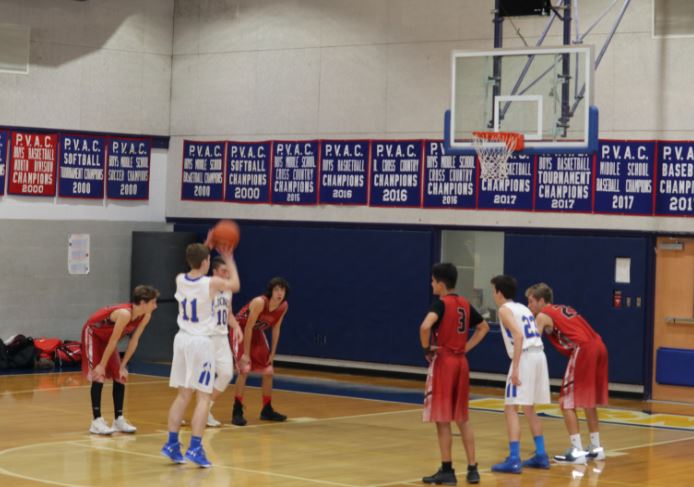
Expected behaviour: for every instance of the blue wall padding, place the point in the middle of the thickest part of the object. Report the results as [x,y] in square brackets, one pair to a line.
[580,270]
[356,293]
[674,366]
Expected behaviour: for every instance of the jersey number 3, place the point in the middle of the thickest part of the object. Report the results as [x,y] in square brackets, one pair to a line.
[462,321]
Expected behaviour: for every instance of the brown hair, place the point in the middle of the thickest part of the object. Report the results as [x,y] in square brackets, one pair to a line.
[145,293]
[196,254]
[540,291]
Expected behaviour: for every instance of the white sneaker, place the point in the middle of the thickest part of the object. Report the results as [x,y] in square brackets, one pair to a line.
[573,456]
[212,422]
[99,427]
[595,453]
[121,424]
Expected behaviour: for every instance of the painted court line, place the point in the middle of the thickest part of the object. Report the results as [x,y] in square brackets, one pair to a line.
[36,479]
[81,443]
[217,465]
[85,386]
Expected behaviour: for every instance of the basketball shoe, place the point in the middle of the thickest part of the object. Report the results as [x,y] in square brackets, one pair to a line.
[573,456]
[121,425]
[173,451]
[237,415]
[99,427]
[269,414]
[595,452]
[212,422]
[197,455]
[473,475]
[537,461]
[509,465]
[441,478]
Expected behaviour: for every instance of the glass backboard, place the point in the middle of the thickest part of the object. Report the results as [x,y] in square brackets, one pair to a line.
[544,93]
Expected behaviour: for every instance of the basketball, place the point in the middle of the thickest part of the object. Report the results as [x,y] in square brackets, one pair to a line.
[226,233]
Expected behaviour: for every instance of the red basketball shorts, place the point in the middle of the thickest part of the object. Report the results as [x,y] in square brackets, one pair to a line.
[585,379]
[93,351]
[447,389]
[260,354]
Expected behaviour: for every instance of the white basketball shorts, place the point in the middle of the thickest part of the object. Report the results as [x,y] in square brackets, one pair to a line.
[193,365]
[534,377]
[224,363]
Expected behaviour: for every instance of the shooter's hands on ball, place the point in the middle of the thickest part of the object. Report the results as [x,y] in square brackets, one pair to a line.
[226,251]
[209,241]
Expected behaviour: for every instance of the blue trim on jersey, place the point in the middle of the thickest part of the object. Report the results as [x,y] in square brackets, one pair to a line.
[190,279]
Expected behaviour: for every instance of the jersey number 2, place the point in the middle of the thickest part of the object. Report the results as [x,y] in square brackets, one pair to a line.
[193,310]
[462,320]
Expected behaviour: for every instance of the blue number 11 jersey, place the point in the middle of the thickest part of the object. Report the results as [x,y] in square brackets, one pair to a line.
[194,305]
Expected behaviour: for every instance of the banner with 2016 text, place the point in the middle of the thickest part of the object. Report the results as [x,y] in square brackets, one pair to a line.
[396,173]
[344,172]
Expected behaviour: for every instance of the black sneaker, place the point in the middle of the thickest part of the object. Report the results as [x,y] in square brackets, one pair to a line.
[442,478]
[473,476]
[237,415]
[269,414]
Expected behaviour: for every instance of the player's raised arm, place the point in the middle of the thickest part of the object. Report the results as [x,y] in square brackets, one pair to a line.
[233,284]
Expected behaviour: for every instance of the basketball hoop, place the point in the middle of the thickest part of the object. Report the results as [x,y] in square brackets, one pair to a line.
[493,150]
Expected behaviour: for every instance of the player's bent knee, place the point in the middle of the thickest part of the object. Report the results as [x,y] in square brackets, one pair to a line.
[222,380]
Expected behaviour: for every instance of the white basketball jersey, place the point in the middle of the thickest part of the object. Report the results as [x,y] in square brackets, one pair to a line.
[221,307]
[525,319]
[194,305]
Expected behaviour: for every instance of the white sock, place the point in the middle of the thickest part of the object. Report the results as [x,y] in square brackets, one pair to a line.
[595,439]
[576,441]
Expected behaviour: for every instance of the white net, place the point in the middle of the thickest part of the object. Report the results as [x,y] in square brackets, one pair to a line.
[493,151]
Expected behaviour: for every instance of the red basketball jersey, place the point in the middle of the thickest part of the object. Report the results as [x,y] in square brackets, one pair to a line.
[266,318]
[452,328]
[102,325]
[570,329]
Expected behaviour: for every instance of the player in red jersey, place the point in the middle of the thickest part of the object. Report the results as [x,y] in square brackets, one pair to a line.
[254,354]
[100,358]
[585,380]
[444,338]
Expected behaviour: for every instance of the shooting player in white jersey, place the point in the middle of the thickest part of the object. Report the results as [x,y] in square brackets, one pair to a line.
[193,365]
[224,363]
[528,379]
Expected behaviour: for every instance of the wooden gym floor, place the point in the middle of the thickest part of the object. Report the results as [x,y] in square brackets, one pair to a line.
[344,430]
